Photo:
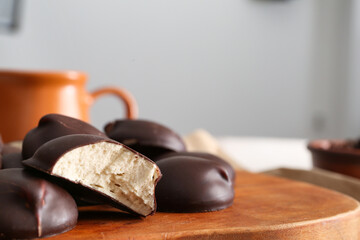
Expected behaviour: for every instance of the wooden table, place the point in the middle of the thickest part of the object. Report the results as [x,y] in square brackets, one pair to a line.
[265,207]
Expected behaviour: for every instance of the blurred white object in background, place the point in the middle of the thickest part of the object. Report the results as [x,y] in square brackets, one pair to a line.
[259,154]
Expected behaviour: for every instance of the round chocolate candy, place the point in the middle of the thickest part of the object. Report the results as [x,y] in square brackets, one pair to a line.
[32,207]
[12,160]
[202,155]
[149,138]
[97,169]
[192,184]
[53,126]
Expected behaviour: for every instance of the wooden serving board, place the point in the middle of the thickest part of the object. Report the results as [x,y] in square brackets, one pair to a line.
[265,207]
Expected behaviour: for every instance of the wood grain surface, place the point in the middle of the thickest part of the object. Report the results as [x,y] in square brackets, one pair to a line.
[265,207]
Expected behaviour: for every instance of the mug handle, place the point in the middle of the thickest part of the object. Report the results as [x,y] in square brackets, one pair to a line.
[131,106]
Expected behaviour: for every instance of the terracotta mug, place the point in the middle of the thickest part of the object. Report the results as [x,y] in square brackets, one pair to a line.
[25,96]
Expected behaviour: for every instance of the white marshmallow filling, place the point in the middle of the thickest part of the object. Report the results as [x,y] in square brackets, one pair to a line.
[113,170]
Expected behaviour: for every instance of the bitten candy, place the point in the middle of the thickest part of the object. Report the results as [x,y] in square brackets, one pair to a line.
[32,207]
[149,138]
[52,126]
[101,169]
[192,184]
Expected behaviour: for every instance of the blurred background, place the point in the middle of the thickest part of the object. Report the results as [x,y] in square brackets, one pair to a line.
[276,68]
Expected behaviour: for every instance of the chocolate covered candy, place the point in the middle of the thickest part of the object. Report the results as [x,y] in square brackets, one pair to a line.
[103,168]
[202,155]
[192,184]
[12,160]
[148,138]
[31,207]
[52,126]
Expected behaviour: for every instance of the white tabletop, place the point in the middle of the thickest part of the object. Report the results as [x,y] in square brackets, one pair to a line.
[258,154]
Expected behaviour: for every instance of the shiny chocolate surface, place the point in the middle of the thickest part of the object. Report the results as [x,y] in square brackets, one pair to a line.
[53,126]
[192,184]
[202,155]
[32,207]
[149,138]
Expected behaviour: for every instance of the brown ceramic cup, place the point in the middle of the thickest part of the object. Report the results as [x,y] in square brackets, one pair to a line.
[336,155]
[25,96]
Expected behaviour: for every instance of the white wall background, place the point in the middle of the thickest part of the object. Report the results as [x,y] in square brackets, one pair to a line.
[234,67]
[353,99]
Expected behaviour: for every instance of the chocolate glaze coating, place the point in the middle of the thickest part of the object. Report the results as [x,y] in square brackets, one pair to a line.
[32,207]
[53,126]
[202,155]
[192,184]
[12,160]
[49,153]
[149,138]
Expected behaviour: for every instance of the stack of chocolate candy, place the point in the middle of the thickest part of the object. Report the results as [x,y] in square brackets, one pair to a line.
[64,161]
